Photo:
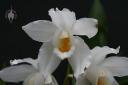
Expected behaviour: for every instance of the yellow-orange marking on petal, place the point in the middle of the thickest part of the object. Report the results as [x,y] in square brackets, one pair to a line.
[64,44]
[101,81]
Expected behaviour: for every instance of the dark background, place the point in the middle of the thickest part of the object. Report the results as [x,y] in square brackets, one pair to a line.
[15,43]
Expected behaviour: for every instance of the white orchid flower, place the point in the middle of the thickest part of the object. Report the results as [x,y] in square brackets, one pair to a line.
[79,60]
[38,73]
[61,30]
[102,70]
[97,51]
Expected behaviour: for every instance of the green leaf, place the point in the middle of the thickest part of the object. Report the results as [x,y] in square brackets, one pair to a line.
[97,11]
[2,82]
[69,80]
[122,80]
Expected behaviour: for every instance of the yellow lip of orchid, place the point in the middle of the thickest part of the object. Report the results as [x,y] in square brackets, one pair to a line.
[64,42]
[102,79]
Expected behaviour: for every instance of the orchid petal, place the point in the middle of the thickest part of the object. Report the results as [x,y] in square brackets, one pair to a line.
[40,30]
[92,73]
[31,61]
[64,55]
[16,73]
[82,80]
[48,61]
[117,65]
[38,79]
[99,53]
[81,57]
[114,82]
[62,19]
[85,26]
[34,79]
[52,81]
[110,79]
[95,72]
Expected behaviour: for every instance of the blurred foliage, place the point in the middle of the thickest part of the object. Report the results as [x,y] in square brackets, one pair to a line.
[69,80]
[2,82]
[97,12]
[122,80]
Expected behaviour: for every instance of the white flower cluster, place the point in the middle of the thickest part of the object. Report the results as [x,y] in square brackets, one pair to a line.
[59,43]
